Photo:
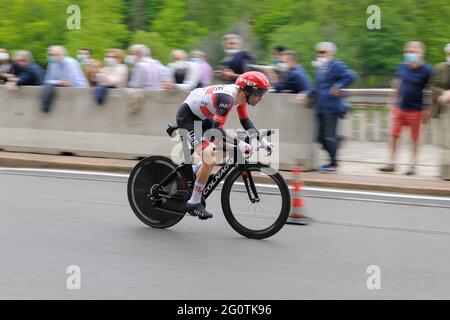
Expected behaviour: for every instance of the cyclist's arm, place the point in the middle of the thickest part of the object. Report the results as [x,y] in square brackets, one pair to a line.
[246,123]
[224,104]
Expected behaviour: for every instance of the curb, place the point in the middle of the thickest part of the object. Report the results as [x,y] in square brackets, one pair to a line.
[343,181]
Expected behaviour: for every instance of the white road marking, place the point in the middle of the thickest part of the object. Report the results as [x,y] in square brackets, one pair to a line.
[319,189]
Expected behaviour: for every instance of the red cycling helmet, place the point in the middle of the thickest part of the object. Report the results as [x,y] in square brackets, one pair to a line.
[253,83]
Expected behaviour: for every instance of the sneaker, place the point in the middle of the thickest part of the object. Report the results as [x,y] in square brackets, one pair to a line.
[411,171]
[198,210]
[387,168]
[329,168]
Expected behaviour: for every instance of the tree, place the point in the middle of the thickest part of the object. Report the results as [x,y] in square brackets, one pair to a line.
[33,25]
[102,27]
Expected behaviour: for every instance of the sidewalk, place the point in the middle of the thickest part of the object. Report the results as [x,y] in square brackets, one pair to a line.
[358,168]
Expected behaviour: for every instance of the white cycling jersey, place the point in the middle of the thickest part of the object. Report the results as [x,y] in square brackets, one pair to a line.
[204,102]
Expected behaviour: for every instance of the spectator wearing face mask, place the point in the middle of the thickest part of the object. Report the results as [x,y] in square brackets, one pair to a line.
[114,74]
[185,74]
[331,76]
[236,60]
[295,78]
[26,72]
[206,71]
[89,65]
[145,72]
[407,101]
[5,66]
[63,70]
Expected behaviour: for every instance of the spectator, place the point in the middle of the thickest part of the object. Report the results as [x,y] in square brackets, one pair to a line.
[145,71]
[236,60]
[412,76]
[206,71]
[276,54]
[113,75]
[331,76]
[63,70]
[5,66]
[272,71]
[295,79]
[27,73]
[89,65]
[185,74]
[441,83]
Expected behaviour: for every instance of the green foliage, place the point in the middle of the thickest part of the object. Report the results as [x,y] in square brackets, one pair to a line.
[185,24]
[32,25]
[154,41]
[102,27]
[174,25]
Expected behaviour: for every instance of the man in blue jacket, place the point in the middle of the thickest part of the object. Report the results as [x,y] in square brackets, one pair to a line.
[295,79]
[236,60]
[24,71]
[331,76]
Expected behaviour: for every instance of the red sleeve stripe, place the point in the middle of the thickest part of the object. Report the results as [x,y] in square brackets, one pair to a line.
[242,111]
[206,112]
[220,119]
[210,89]
[214,100]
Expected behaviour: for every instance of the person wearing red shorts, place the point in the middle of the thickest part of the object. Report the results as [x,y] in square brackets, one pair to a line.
[409,111]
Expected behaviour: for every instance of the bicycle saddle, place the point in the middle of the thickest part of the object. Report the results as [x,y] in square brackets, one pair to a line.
[171,128]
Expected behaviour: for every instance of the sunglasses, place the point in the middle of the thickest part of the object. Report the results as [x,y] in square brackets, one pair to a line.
[321,52]
[259,92]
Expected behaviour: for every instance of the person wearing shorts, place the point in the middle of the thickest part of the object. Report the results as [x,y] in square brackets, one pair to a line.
[409,111]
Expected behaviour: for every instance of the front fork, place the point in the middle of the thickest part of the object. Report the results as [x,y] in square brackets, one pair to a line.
[249,184]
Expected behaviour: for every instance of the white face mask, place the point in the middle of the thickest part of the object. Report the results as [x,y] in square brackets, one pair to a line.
[130,59]
[180,64]
[109,61]
[231,51]
[4,56]
[448,59]
[320,62]
[283,66]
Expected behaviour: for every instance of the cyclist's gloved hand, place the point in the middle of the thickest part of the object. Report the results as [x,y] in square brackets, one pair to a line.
[245,147]
[267,145]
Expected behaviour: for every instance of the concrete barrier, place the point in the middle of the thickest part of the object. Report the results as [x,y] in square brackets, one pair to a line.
[77,125]
[445,143]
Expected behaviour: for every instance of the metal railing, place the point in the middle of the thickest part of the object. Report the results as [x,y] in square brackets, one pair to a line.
[370,119]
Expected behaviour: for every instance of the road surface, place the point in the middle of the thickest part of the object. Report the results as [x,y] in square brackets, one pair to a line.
[50,221]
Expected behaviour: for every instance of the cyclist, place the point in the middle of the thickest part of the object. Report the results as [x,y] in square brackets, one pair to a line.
[212,105]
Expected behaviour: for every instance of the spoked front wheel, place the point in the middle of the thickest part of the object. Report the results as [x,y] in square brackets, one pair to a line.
[256,202]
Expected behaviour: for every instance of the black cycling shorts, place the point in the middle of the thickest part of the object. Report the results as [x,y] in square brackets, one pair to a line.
[186,119]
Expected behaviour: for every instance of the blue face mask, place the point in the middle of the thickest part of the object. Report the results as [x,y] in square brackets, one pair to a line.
[81,57]
[51,59]
[411,57]
[196,59]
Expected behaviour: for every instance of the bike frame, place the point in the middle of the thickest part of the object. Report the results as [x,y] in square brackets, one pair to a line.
[215,179]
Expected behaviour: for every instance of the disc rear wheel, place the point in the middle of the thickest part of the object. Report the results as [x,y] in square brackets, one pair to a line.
[165,207]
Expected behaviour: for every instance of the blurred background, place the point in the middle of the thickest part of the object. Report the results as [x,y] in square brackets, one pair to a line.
[298,25]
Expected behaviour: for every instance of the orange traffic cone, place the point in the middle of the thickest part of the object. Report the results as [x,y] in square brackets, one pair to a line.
[297,216]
